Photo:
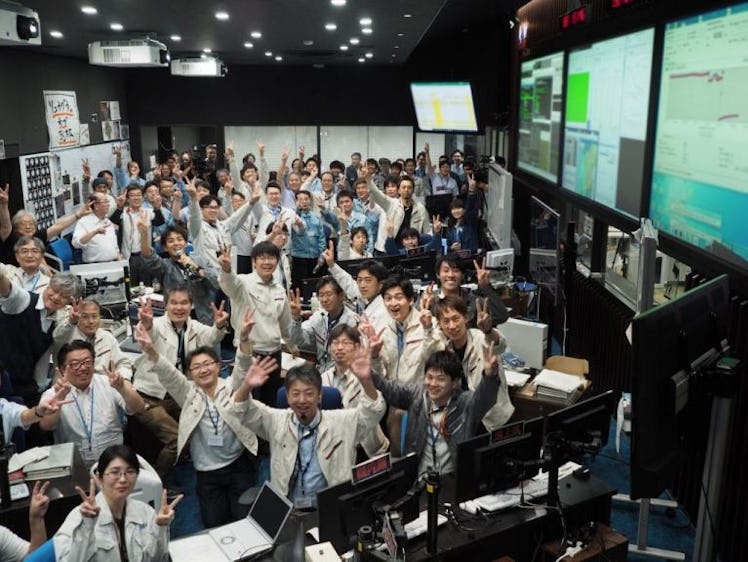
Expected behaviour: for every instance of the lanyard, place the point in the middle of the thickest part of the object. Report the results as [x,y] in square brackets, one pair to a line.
[436,430]
[214,421]
[88,430]
[181,359]
[35,278]
[302,468]
[331,323]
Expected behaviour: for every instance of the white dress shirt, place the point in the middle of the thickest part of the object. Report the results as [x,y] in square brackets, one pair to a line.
[100,248]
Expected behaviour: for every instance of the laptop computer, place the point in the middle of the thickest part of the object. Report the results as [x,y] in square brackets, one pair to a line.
[245,539]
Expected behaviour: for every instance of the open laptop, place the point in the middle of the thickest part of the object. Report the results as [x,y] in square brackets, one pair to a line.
[244,539]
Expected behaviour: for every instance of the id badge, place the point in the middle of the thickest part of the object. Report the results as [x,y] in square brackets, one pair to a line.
[85,446]
[215,440]
[304,502]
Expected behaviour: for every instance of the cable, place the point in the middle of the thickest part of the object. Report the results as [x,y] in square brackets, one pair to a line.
[709,515]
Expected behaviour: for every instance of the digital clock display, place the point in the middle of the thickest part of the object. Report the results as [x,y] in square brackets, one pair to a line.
[371,468]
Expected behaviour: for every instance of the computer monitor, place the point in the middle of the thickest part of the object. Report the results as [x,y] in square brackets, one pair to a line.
[421,267]
[103,281]
[492,462]
[346,507]
[584,426]
[352,266]
[669,342]
[440,204]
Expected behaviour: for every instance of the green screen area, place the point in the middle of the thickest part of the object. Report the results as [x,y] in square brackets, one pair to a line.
[577,96]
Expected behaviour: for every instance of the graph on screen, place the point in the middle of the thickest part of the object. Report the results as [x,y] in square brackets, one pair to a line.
[541,91]
[607,98]
[700,178]
[444,106]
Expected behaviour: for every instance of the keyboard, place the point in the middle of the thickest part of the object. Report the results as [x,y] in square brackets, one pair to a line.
[419,525]
[508,498]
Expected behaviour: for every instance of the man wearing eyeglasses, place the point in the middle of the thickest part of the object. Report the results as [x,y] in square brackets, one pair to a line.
[92,420]
[94,234]
[29,251]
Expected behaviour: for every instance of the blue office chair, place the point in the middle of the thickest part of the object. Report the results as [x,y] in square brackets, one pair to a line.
[331,398]
[61,254]
[45,553]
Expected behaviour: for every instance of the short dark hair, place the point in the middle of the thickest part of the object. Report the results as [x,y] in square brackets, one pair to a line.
[343,193]
[328,280]
[457,203]
[337,164]
[174,229]
[306,373]
[180,288]
[375,268]
[103,173]
[451,260]
[238,194]
[274,184]
[455,302]
[399,282]
[356,154]
[269,229]
[360,181]
[326,174]
[360,230]
[265,248]
[202,183]
[202,350]
[134,187]
[74,345]
[247,166]
[150,183]
[447,362]
[406,178]
[345,330]
[113,452]
[207,200]
[410,233]
[303,192]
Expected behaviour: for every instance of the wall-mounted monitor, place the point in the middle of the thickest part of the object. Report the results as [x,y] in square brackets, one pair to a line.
[444,106]
[607,103]
[700,177]
[540,107]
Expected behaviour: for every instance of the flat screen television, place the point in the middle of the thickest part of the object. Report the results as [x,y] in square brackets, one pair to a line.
[605,130]
[540,106]
[699,179]
[444,106]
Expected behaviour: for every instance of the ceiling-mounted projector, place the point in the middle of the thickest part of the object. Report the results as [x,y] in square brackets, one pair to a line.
[198,66]
[18,25]
[132,53]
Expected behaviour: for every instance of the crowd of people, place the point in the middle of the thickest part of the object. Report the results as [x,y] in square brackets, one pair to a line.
[231,250]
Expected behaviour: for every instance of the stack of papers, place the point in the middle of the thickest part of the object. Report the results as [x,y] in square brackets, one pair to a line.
[556,385]
[513,378]
[43,463]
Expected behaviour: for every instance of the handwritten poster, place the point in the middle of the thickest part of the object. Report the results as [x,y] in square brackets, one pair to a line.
[63,122]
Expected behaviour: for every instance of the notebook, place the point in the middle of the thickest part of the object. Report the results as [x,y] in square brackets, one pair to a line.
[244,539]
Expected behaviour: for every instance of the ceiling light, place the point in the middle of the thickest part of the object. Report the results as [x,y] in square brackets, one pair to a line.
[337,2]
[203,56]
[362,59]
[308,42]
[116,26]
[223,16]
[366,30]
[396,47]
[330,26]
[344,47]
[354,41]
[318,65]
[56,34]
[279,58]
[400,34]
[393,55]
[175,38]
[256,34]
[248,45]
[369,55]
[207,50]
[407,15]
[268,53]
[365,21]
[89,10]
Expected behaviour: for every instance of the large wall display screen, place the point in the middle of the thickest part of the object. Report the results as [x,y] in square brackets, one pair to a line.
[444,106]
[700,179]
[607,103]
[540,107]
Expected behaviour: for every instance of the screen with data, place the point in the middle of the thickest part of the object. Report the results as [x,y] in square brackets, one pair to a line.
[444,106]
[540,107]
[700,178]
[607,102]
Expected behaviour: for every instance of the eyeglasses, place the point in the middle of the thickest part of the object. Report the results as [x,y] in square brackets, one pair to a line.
[202,366]
[342,343]
[75,365]
[327,295]
[212,207]
[29,251]
[90,316]
[129,473]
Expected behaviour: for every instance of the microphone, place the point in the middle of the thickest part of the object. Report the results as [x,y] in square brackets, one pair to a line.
[320,265]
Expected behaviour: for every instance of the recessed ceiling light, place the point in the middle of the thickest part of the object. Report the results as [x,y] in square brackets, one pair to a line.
[354,41]
[268,53]
[203,56]
[116,26]
[369,55]
[256,34]
[175,38]
[89,10]
[366,30]
[396,47]
[330,26]
[400,34]
[56,34]
[279,58]
[362,59]
[344,47]
[223,16]
[393,55]
[337,2]
[248,45]
[207,50]
[365,21]
[407,15]
[318,65]
[308,42]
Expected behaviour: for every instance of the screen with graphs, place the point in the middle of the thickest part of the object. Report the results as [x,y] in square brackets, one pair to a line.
[540,106]
[607,103]
[444,106]
[700,178]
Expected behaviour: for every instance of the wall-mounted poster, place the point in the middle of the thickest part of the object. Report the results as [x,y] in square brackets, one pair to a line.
[110,130]
[63,121]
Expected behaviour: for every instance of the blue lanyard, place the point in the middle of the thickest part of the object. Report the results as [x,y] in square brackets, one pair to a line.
[213,421]
[88,430]
[36,281]
[302,469]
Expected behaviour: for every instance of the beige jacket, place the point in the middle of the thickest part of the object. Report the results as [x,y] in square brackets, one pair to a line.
[106,348]
[419,345]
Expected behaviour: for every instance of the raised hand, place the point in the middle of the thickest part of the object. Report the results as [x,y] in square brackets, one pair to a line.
[390,227]
[39,500]
[53,404]
[259,372]
[361,363]
[89,507]
[4,195]
[437,222]
[224,259]
[229,151]
[144,221]
[261,148]
[166,514]
[74,312]
[285,153]
[191,189]
[481,274]
[471,182]
[121,200]
[490,361]
[425,318]
[426,148]
[157,202]
[375,343]
[329,254]
[144,340]
[294,302]
[86,170]
[427,300]
[220,316]
[145,314]
[256,193]
[248,322]
[302,151]
[483,316]
[115,379]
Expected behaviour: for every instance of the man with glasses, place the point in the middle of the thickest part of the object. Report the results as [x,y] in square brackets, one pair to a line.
[94,234]
[29,275]
[92,420]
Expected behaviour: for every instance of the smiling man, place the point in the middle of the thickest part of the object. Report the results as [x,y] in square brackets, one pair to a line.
[29,251]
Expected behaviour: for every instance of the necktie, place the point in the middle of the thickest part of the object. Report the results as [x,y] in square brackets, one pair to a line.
[400,339]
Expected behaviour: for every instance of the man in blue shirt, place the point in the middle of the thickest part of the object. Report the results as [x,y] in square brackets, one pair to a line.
[307,242]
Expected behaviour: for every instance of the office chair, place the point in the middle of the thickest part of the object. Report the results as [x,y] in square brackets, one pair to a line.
[61,254]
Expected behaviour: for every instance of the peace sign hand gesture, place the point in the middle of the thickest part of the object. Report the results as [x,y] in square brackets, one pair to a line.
[481,273]
[145,314]
[427,300]
[4,195]
[220,316]
[166,514]
[89,507]
[224,259]
[490,362]
[483,316]
[115,379]
[294,302]
[329,254]
[248,323]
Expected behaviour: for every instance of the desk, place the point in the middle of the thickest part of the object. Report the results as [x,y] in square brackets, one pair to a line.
[528,406]
[63,499]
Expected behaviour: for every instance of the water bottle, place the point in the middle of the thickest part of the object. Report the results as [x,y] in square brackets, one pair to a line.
[314,303]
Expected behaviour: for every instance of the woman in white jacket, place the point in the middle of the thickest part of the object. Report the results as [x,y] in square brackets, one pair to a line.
[110,527]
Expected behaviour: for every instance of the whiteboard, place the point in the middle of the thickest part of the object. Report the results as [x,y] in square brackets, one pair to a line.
[337,143]
[245,139]
[391,142]
[437,144]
